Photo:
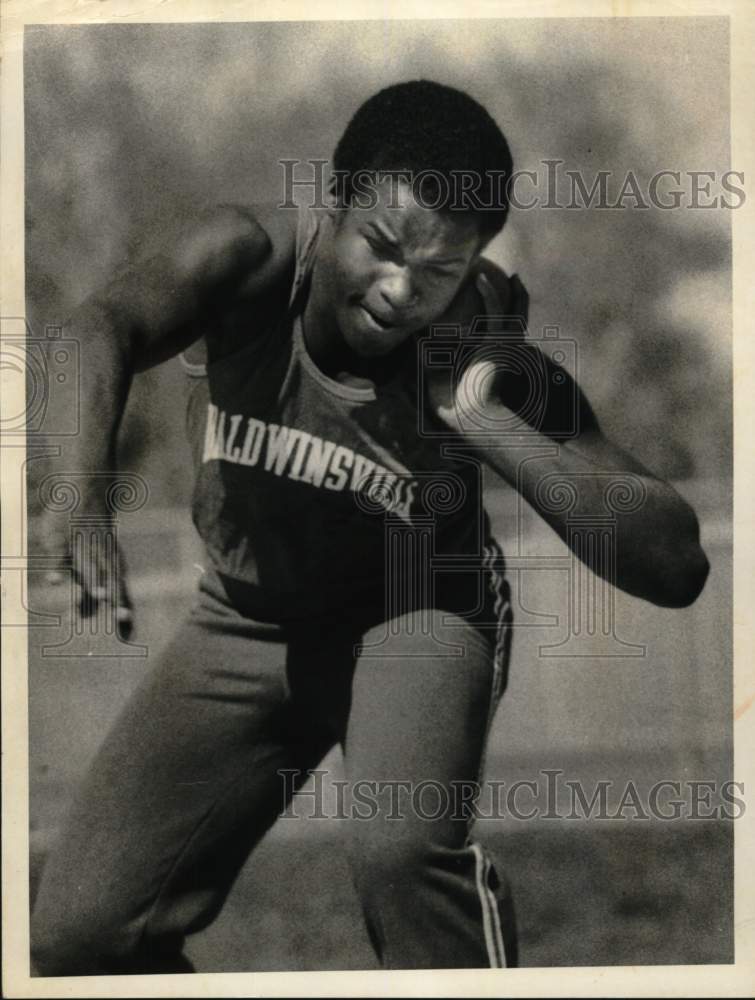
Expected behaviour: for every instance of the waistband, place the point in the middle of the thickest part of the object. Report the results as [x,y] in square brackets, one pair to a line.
[473,593]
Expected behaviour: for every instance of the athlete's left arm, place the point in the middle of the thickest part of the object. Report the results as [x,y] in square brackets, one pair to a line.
[658,554]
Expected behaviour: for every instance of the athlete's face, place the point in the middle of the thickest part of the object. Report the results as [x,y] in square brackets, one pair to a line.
[395,267]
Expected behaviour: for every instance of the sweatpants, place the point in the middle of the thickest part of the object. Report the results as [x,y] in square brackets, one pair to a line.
[207,753]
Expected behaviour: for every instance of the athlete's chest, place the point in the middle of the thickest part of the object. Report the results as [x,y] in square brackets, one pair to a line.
[272,403]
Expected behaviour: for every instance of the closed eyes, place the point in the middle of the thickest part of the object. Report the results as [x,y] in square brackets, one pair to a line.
[387,251]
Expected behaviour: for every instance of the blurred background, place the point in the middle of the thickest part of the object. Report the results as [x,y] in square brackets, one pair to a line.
[128,127]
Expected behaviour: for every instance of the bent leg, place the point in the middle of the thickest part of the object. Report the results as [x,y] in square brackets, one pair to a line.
[430,895]
[183,787]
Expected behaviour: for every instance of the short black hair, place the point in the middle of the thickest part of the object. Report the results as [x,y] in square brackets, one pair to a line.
[434,132]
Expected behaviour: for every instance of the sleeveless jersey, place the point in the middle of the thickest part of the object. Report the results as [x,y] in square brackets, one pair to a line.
[312,494]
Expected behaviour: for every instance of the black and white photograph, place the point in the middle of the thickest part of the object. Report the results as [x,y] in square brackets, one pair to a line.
[374,559]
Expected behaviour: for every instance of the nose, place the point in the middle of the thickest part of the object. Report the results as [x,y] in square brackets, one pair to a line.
[397,289]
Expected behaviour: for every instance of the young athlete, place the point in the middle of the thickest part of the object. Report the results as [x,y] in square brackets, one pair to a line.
[353,593]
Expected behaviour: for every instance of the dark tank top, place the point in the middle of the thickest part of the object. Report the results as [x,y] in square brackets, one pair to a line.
[313,496]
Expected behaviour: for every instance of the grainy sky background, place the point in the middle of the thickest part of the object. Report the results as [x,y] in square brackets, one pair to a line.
[130,125]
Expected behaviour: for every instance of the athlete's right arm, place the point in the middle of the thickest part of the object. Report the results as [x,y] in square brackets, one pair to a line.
[157,306]
[149,311]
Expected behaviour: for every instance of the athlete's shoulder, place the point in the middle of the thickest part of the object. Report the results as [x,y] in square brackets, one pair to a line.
[247,245]
[251,249]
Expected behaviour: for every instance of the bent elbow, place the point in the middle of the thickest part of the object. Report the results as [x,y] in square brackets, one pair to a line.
[687,581]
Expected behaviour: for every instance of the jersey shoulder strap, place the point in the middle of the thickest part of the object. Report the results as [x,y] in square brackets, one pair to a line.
[307,233]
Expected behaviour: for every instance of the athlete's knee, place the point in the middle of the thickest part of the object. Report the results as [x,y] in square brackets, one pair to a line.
[67,941]
[77,928]
[389,860]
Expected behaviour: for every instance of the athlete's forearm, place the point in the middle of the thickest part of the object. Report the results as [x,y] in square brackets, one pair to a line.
[107,365]
[103,380]
[657,555]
